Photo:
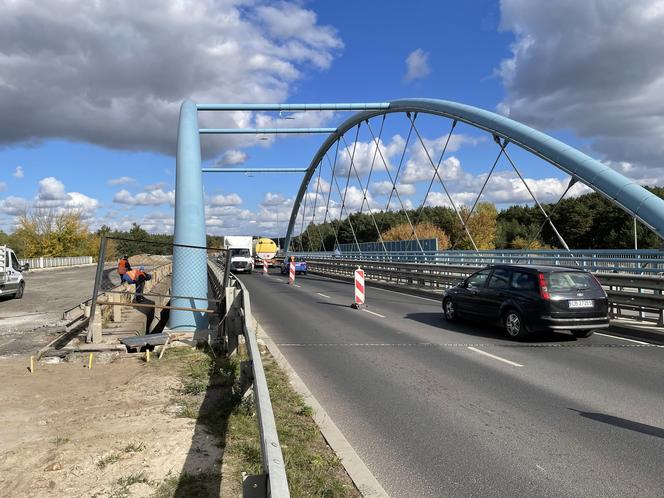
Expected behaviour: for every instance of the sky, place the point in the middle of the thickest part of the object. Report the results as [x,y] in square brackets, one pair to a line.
[90,97]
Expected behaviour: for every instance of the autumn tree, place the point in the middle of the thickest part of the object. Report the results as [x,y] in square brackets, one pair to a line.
[481,225]
[424,230]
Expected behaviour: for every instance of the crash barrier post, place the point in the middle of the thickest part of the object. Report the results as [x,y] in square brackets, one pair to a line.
[637,297]
[359,288]
[273,481]
[291,272]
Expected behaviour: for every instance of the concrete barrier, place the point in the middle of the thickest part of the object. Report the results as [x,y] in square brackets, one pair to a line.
[39,263]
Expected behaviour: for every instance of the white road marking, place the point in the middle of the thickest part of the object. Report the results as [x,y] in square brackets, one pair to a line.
[323,295]
[623,338]
[297,285]
[374,313]
[384,290]
[495,357]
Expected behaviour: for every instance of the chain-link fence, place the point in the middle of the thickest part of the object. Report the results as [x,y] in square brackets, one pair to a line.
[132,294]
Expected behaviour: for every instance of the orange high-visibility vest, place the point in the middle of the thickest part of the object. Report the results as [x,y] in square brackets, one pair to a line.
[134,274]
[122,266]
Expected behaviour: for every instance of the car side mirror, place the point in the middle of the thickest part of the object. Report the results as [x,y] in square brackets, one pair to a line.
[24,267]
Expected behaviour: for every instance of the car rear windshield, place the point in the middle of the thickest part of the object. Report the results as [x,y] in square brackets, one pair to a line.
[562,281]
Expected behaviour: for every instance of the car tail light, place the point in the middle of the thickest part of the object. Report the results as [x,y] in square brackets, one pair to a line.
[544,289]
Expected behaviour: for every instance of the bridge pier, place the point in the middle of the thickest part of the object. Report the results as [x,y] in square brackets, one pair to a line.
[189,263]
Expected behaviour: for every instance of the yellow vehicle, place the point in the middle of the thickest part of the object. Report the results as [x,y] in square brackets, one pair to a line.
[264,249]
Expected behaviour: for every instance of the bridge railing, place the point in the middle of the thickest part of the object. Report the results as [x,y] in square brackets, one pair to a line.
[630,296]
[239,322]
[38,263]
[647,261]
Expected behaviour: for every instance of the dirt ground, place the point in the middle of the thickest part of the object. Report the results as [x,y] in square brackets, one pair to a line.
[103,432]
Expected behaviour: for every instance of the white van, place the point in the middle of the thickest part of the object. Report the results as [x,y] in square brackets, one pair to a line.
[11,277]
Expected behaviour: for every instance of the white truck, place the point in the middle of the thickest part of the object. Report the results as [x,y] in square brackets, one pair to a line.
[11,274]
[240,247]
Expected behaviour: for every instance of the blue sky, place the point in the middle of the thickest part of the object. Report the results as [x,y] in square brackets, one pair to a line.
[89,101]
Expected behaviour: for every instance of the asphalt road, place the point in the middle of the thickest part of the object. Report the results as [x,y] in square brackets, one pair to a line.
[31,322]
[431,413]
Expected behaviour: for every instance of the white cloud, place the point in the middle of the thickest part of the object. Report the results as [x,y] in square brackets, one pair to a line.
[13,206]
[19,173]
[278,199]
[51,189]
[417,65]
[594,67]
[232,158]
[419,169]
[123,180]
[385,187]
[116,77]
[226,200]
[145,198]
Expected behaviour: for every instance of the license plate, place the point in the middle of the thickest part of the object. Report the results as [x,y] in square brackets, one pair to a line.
[586,303]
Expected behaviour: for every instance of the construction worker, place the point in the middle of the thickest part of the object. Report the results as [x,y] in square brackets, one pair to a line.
[137,278]
[123,266]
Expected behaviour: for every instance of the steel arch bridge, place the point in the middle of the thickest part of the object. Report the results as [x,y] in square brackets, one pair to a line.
[625,193]
[189,279]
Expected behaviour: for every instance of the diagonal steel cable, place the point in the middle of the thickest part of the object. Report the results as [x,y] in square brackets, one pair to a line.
[486,180]
[396,177]
[341,212]
[433,178]
[313,221]
[343,200]
[465,227]
[333,166]
[547,217]
[571,183]
[364,193]
[403,155]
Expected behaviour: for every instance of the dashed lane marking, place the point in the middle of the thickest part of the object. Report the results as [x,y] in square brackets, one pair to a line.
[621,338]
[323,295]
[460,345]
[513,363]
[374,313]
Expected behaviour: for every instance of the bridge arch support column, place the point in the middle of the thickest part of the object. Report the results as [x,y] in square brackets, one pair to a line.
[189,263]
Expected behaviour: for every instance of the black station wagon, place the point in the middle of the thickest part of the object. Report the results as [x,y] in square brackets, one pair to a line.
[528,298]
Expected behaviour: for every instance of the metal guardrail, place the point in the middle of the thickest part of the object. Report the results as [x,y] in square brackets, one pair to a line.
[238,321]
[646,261]
[641,295]
[37,263]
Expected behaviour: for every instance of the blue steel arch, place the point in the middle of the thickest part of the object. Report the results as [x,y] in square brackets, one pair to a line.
[625,193]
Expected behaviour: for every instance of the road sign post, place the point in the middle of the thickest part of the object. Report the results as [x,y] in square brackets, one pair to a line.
[359,289]
[291,271]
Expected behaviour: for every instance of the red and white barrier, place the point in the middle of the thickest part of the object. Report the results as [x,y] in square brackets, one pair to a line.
[265,267]
[291,273]
[359,288]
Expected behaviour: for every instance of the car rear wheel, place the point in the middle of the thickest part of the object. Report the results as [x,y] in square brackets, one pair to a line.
[449,310]
[514,325]
[582,334]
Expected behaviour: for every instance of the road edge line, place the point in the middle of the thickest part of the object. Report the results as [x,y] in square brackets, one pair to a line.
[359,473]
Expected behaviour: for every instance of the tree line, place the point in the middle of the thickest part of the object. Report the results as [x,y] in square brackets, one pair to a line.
[589,221]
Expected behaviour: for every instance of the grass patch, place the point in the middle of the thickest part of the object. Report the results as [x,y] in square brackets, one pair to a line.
[312,467]
[59,441]
[108,460]
[133,448]
[135,478]
[189,485]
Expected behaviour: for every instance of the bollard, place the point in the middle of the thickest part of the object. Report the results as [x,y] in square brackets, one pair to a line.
[291,271]
[147,356]
[265,267]
[359,289]
[32,364]
[90,362]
